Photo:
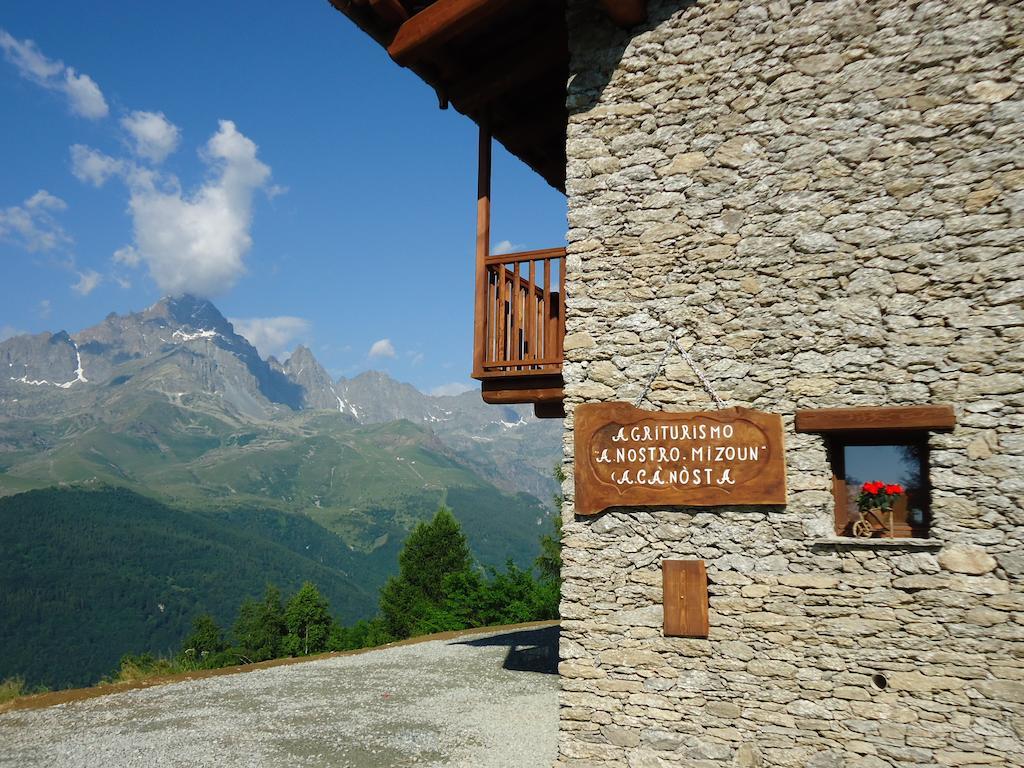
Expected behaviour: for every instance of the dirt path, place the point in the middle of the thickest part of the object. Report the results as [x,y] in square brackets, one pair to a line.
[480,701]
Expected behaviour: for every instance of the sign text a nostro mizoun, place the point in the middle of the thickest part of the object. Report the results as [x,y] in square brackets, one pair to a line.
[629,457]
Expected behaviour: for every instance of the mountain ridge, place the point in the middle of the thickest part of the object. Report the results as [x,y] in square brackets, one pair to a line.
[172,401]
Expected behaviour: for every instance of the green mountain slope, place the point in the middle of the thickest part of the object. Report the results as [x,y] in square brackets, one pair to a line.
[86,576]
[369,484]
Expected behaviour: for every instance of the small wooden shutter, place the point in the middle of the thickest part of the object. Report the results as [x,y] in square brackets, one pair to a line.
[685,598]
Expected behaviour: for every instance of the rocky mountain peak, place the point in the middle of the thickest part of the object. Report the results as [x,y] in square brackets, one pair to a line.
[301,356]
[190,312]
[318,389]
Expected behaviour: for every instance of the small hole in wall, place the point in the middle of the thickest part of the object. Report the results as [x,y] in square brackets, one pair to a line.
[880,681]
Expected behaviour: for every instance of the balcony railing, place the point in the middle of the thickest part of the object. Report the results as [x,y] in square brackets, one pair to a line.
[520,315]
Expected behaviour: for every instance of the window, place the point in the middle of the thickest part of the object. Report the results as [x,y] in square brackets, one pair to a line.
[889,445]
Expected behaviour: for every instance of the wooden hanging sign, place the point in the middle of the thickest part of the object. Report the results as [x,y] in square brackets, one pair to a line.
[629,457]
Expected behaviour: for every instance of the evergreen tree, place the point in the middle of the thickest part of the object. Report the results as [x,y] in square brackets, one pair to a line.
[413,602]
[549,565]
[206,642]
[308,622]
[260,627]
[549,562]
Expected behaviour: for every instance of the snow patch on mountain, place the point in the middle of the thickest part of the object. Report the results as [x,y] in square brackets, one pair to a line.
[204,334]
[79,376]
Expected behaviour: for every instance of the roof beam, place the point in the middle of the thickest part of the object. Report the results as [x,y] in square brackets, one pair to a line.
[391,12]
[626,13]
[440,22]
[506,70]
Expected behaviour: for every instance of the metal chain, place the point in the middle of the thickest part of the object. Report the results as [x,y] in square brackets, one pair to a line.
[673,342]
[700,375]
[653,376]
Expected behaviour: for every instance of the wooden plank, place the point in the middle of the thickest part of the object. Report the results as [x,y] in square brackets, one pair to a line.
[515,258]
[492,310]
[837,461]
[520,396]
[516,319]
[545,331]
[685,598]
[543,55]
[491,364]
[522,389]
[503,312]
[626,13]
[391,12]
[933,417]
[483,244]
[549,409]
[626,457]
[531,312]
[441,22]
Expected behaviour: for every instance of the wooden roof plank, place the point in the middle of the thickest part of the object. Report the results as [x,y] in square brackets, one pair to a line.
[502,74]
[391,12]
[440,22]
[626,13]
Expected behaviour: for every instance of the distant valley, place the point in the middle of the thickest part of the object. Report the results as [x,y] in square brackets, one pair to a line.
[172,404]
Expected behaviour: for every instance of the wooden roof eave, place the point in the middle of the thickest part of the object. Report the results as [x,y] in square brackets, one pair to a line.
[493,92]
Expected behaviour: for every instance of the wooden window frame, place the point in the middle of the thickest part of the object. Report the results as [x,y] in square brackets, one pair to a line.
[900,425]
[837,441]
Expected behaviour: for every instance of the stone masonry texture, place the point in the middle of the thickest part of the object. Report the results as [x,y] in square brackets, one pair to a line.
[824,201]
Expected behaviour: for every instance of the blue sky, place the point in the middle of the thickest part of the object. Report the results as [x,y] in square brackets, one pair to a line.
[268,155]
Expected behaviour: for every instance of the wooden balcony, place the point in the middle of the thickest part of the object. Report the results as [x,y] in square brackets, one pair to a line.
[520,325]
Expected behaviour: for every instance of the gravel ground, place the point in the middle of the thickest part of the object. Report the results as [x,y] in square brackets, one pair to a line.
[480,701]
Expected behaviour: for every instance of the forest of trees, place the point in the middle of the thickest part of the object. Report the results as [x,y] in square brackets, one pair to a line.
[438,588]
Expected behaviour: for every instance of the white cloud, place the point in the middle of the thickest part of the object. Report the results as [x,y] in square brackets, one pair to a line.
[191,243]
[84,97]
[505,246]
[87,282]
[271,335]
[44,308]
[382,348]
[9,331]
[127,255]
[32,226]
[153,136]
[453,388]
[93,167]
[43,200]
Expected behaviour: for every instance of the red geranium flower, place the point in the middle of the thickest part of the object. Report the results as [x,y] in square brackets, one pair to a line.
[894,489]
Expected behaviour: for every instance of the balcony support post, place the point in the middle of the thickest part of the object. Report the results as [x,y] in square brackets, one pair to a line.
[483,247]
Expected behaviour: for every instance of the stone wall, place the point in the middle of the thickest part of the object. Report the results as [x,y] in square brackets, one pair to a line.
[824,201]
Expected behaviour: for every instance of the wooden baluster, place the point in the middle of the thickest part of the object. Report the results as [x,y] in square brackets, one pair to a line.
[545,323]
[503,304]
[516,319]
[531,312]
[492,316]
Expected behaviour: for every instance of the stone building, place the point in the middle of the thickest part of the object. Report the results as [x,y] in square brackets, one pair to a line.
[823,203]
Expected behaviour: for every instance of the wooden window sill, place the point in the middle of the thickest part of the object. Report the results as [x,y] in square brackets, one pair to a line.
[881,543]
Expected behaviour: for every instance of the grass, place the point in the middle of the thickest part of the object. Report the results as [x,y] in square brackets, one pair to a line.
[12,688]
[145,666]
